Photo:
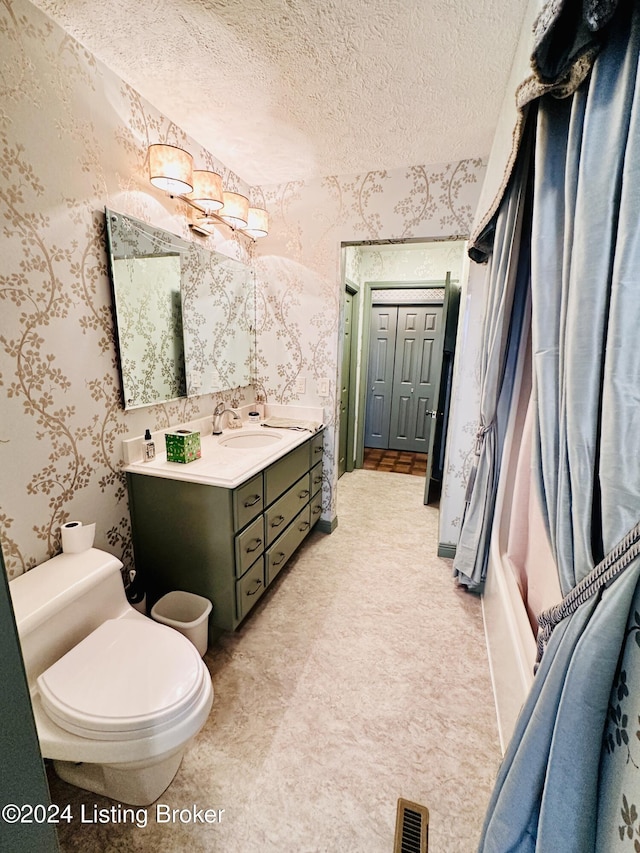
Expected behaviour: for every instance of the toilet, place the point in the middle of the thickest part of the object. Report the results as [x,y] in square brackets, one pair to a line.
[116,696]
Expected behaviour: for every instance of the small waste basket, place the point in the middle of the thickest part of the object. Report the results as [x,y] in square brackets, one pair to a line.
[187,613]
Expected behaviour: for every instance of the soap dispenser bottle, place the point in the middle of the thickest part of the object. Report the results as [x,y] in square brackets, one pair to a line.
[148,447]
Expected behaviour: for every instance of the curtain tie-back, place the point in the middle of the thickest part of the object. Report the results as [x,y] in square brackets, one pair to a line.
[480,434]
[607,570]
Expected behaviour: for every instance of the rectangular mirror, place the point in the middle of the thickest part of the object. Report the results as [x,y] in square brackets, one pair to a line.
[184,314]
[218,320]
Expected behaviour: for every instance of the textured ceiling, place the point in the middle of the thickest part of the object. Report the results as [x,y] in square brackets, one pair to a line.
[283,90]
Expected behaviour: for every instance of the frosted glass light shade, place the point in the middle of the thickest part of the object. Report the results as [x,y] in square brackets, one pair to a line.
[207,190]
[170,169]
[257,223]
[235,211]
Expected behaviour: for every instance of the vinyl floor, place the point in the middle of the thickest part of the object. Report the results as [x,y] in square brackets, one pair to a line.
[361,676]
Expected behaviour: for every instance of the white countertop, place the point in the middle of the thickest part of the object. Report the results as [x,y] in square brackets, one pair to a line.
[222,465]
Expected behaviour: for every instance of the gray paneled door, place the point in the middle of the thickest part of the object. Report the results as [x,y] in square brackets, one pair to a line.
[405,360]
[382,344]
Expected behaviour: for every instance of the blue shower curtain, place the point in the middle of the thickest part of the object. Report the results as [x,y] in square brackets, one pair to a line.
[570,780]
[507,283]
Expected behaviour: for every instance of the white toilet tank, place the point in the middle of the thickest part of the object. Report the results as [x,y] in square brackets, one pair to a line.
[61,601]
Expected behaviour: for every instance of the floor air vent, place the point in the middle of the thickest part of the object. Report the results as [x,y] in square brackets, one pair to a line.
[412,828]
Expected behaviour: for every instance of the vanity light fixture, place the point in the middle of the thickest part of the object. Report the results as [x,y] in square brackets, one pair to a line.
[258,223]
[207,190]
[236,210]
[171,170]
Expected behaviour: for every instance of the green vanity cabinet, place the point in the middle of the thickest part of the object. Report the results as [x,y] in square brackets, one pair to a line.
[225,544]
[315,449]
[280,514]
[285,545]
[279,476]
[248,501]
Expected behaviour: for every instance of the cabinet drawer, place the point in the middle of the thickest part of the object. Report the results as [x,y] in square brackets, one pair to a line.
[316,478]
[248,501]
[315,507]
[278,516]
[278,554]
[285,472]
[315,448]
[249,545]
[250,588]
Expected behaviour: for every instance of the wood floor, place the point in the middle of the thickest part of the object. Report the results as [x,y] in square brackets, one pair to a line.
[398,461]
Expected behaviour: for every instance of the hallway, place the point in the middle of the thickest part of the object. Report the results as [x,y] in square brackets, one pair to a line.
[361,677]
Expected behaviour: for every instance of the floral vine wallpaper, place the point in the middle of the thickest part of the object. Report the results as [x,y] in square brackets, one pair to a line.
[73,139]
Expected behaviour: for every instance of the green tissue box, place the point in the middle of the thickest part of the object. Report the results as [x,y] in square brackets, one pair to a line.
[183,445]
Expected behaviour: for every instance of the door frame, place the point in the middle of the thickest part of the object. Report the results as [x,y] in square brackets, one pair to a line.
[354,379]
[367,301]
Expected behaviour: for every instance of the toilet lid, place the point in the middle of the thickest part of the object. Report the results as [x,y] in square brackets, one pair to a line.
[127,676]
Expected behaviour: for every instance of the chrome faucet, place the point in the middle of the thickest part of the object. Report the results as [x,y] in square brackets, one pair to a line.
[218,412]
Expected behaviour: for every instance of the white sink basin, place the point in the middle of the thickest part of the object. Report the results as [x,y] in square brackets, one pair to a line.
[249,439]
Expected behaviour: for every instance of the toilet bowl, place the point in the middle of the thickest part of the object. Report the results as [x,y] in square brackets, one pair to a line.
[116,696]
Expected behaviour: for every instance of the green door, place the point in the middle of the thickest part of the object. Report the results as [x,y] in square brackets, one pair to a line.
[345,384]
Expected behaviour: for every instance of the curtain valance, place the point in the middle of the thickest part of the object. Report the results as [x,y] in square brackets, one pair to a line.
[567,36]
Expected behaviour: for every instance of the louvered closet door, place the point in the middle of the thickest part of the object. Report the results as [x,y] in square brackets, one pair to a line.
[382,344]
[418,361]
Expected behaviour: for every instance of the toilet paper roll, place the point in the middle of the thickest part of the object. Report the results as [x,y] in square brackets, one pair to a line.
[77,537]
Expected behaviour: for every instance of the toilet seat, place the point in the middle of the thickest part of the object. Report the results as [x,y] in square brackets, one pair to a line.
[130,678]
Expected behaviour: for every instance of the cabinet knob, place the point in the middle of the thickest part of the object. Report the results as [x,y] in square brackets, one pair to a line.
[252,501]
[303,526]
[277,521]
[303,494]
[282,555]
[258,543]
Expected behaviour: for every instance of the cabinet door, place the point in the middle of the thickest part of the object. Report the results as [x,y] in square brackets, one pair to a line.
[280,514]
[249,545]
[250,588]
[316,478]
[315,507]
[248,501]
[285,472]
[315,448]
[278,554]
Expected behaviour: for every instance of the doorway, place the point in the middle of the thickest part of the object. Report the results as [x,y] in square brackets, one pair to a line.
[348,380]
[399,267]
[418,355]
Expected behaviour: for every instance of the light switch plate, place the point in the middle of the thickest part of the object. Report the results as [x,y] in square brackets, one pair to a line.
[323,387]
[301,385]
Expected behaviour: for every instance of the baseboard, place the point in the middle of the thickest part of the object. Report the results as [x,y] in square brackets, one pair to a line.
[325,526]
[448,551]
